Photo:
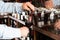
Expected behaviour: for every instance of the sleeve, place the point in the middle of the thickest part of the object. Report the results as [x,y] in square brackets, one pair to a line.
[9,32]
[46,0]
[1,31]
[18,7]
[10,7]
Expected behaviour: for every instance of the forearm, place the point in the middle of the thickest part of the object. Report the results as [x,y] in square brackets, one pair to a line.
[11,7]
[18,7]
[9,32]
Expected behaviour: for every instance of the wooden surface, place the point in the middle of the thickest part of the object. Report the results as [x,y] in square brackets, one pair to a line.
[47,33]
[3,16]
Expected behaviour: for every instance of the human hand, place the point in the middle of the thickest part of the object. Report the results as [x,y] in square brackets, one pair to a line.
[28,6]
[57,24]
[49,4]
[24,31]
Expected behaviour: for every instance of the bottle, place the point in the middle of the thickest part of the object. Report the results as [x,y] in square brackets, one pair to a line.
[22,16]
[52,15]
[42,18]
[52,20]
[39,20]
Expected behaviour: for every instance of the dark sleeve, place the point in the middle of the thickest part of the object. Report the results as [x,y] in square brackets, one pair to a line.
[9,0]
[46,0]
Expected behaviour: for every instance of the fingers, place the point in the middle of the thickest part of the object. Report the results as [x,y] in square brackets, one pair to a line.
[25,28]
[25,7]
[24,31]
[57,24]
[28,6]
[49,4]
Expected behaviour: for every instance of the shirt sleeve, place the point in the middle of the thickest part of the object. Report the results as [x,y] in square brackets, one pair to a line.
[18,7]
[10,7]
[9,32]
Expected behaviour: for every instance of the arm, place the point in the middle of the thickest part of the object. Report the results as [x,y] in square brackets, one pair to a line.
[57,24]
[9,32]
[49,4]
[15,7]
[10,7]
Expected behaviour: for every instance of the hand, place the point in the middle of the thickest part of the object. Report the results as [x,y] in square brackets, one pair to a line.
[24,31]
[49,4]
[28,6]
[57,24]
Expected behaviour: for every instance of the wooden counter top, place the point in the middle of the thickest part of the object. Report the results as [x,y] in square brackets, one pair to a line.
[47,33]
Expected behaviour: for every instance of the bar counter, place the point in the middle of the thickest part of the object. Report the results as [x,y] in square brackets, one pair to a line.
[47,33]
